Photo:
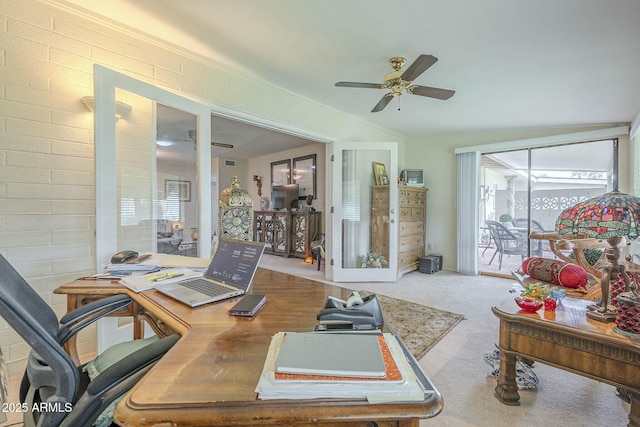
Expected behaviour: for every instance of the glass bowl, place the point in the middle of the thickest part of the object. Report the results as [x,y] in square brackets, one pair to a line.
[530,305]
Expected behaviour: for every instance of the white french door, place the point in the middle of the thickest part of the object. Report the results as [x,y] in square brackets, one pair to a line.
[357,226]
[132,196]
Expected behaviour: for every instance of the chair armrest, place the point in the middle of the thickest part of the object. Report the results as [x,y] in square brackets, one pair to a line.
[74,321]
[115,381]
[130,364]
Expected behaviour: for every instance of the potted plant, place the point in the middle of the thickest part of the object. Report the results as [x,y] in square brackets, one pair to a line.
[506,218]
[373,259]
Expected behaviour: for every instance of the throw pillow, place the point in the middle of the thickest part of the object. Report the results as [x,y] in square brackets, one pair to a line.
[556,272]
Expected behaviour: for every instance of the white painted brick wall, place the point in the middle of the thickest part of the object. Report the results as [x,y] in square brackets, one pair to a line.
[47,189]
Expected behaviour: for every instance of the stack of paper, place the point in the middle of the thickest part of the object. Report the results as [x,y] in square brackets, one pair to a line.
[129,269]
[139,283]
[397,383]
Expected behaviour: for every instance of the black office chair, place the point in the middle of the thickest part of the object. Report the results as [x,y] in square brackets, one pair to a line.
[317,248]
[52,381]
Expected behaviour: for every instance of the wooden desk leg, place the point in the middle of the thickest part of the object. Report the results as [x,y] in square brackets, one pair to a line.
[507,389]
[138,324]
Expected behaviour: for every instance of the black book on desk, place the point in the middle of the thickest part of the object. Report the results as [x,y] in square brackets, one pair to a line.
[331,354]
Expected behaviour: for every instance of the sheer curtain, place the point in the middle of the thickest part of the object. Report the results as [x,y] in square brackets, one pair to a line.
[467,211]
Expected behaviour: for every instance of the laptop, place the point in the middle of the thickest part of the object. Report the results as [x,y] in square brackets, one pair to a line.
[229,274]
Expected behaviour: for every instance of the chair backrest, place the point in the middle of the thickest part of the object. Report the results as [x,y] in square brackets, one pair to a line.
[500,233]
[49,366]
[319,237]
[524,222]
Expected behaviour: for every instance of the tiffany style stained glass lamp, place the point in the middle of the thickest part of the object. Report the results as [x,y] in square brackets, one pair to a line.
[610,217]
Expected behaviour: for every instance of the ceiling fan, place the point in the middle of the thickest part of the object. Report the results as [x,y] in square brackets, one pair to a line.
[399,81]
[193,135]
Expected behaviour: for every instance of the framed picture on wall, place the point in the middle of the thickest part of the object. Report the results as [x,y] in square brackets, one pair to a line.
[181,189]
[378,170]
[304,174]
[280,172]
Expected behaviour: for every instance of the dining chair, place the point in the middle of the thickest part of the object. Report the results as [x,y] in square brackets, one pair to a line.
[317,248]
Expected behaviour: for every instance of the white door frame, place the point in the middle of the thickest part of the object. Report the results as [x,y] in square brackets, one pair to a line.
[390,272]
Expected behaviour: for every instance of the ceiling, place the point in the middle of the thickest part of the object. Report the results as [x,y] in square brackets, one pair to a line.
[246,141]
[513,64]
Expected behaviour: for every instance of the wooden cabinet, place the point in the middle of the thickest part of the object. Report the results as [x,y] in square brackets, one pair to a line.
[411,218]
[286,233]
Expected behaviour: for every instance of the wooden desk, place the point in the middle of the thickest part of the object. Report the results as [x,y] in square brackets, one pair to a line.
[208,378]
[567,340]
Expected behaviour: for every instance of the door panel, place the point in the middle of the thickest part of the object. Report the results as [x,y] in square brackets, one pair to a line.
[364,214]
[128,196]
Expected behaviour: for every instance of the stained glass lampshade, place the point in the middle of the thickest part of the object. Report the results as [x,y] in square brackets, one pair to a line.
[610,216]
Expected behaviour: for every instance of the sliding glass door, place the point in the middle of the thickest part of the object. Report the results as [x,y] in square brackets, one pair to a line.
[524,191]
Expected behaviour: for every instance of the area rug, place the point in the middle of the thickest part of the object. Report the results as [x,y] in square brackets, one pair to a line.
[420,327]
[526,379]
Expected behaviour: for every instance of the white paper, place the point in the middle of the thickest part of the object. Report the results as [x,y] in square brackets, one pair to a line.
[139,283]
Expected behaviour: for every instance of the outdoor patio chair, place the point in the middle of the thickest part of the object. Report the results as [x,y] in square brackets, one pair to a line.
[507,242]
[536,245]
[64,393]
[535,225]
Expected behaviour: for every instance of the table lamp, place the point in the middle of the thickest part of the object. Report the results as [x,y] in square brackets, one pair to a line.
[609,217]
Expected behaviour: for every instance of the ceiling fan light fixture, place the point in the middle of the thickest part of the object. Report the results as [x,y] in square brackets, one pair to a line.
[399,80]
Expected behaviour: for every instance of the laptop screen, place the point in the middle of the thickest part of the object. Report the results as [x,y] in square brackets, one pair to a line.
[235,262]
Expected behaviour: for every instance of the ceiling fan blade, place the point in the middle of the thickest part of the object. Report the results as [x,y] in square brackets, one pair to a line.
[431,92]
[361,85]
[382,103]
[221,144]
[419,66]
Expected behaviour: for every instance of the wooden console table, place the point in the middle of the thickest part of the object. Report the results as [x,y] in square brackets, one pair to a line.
[209,376]
[286,233]
[567,340]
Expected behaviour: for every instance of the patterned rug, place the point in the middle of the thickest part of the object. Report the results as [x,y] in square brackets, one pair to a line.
[526,379]
[419,326]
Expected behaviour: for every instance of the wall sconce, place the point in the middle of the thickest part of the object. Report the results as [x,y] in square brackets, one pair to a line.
[258,180]
[122,109]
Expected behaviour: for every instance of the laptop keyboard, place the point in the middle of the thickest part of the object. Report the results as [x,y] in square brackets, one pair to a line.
[205,287]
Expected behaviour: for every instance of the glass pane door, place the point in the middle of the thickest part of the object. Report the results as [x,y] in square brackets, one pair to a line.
[503,197]
[525,191]
[365,244]
[176,215]
[136,193]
